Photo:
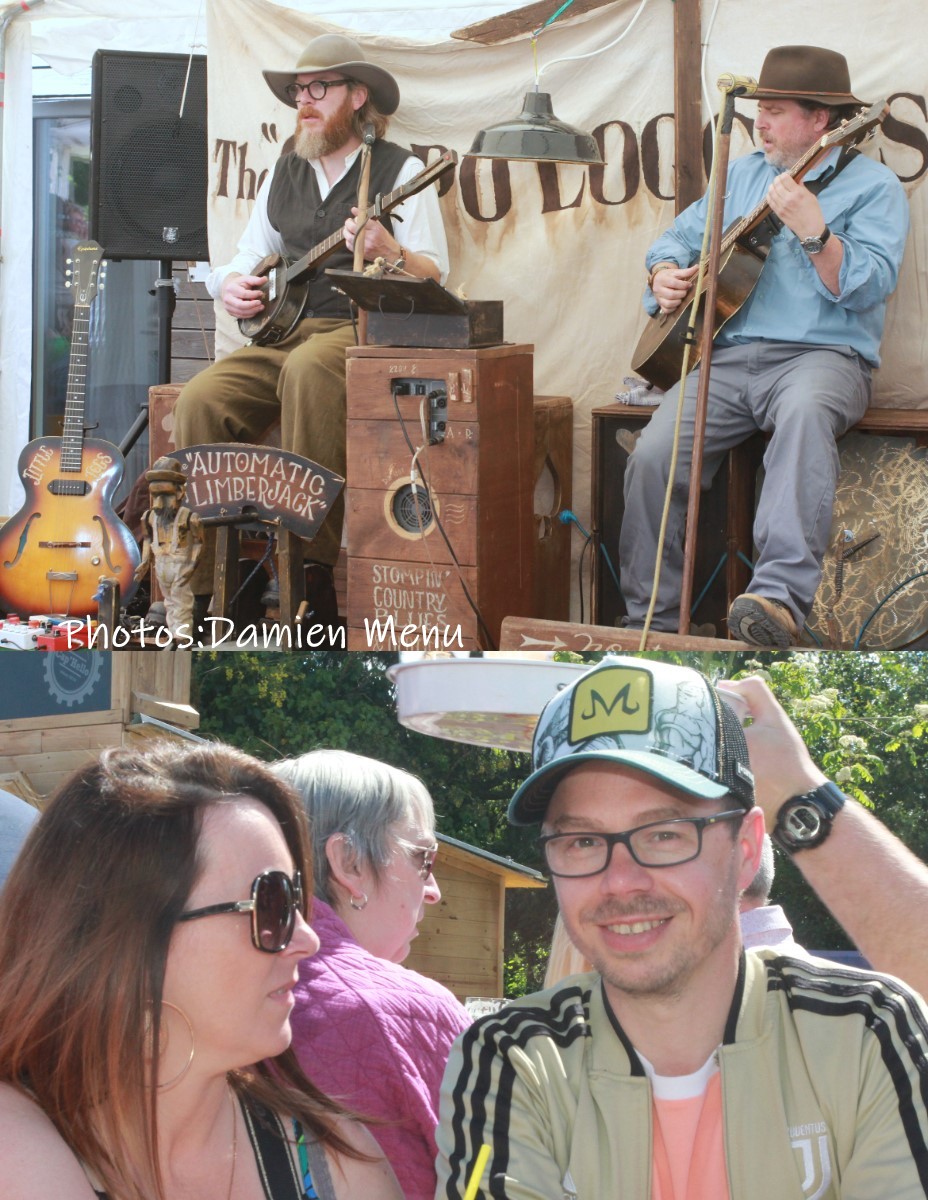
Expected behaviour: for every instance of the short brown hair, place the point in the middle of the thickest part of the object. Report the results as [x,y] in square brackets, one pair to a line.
[86,919]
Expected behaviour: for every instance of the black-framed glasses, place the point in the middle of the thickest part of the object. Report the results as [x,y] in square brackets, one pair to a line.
[316,88]
[275,899]
[425,855]
[658,844]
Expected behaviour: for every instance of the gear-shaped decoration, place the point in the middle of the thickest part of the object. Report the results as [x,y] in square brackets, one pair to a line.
[71,675]
[874,589]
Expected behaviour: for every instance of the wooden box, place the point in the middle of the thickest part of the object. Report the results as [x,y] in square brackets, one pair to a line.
[401,573]
[481,324]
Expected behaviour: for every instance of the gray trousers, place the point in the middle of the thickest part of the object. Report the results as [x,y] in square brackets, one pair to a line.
[805,398]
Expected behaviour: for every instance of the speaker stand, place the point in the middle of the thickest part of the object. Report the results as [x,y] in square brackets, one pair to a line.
[167,302]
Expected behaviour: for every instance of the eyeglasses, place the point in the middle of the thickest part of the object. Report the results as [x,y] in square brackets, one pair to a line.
[426,855]
[275,899]
[658,844]
[316,88]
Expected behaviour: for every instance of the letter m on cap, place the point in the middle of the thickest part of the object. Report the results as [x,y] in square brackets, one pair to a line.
[614,700]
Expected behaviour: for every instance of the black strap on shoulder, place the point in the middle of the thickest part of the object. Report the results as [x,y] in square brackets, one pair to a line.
[847,155]
[272,1154]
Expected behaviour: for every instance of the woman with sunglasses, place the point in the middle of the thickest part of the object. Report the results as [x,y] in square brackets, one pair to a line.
[150,935]
[365,1029]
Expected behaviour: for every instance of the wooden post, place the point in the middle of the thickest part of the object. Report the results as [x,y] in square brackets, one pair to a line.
[364,187]
[687,46]
[705,364]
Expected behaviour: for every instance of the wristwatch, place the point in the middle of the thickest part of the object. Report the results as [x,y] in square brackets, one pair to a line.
[805,821]
[815,245]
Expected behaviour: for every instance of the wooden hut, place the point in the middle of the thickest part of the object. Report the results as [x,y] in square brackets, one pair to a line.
[461,938]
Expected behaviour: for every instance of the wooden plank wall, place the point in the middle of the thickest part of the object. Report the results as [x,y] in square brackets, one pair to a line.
[192,328]
[45,750]
[460,940]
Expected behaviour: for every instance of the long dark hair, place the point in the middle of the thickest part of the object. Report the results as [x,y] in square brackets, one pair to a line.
[86,919]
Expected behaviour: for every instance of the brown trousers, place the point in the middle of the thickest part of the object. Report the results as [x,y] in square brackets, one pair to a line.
[301,382]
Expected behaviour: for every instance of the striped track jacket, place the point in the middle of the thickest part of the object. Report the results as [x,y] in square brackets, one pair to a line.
[824,1083]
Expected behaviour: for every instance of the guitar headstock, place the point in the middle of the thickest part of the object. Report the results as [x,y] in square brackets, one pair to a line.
[854,131]
[85,271]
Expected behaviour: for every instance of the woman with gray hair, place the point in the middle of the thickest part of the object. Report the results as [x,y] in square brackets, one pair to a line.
[365,1029]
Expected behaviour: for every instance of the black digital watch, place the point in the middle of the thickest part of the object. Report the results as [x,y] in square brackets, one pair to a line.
[805,821]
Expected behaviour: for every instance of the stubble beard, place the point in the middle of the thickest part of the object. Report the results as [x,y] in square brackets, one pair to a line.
[336,131]
[664,978]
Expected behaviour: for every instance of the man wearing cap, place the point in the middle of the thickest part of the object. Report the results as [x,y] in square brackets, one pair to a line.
[794,361]
[310,194]
[681,1067]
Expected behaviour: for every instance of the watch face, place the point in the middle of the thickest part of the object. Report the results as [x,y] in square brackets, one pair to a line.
[802,824]
[812,245]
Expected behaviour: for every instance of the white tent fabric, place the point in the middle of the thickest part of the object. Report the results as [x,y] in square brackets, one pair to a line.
[562,247]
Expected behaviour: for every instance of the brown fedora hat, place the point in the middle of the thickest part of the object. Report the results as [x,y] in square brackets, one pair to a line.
[805,73]
[335,52]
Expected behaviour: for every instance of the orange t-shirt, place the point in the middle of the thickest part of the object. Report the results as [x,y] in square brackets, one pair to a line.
[689,1150]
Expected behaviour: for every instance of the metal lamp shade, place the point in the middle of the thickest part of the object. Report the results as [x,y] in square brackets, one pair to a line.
[536,135]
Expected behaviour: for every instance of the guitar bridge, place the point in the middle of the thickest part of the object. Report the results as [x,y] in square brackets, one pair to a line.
[65,546]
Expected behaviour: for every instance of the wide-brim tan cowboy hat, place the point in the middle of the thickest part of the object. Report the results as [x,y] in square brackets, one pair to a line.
[335,52]
[805,73]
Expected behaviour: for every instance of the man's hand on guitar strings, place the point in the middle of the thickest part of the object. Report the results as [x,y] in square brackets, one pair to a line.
[243,295]
[672,285]
[796,206]
[377,242]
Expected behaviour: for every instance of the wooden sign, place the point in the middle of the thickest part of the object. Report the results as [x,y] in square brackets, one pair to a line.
[232,479]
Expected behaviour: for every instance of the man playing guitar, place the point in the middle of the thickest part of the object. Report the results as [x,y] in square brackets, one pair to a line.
[795,361]
[310,194]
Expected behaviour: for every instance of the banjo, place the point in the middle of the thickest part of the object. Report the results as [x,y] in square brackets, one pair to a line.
[287,284]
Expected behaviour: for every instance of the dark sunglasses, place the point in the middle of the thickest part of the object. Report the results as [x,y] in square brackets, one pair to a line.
[275,898]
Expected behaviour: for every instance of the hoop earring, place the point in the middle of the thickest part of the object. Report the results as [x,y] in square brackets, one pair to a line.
[358,907]
[186,1067]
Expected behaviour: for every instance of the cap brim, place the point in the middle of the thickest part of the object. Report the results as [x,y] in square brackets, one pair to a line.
[530,803]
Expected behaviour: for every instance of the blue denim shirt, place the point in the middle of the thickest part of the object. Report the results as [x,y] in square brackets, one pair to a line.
[865,206]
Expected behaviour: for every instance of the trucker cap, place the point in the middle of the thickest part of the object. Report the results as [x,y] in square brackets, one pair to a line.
[665,720]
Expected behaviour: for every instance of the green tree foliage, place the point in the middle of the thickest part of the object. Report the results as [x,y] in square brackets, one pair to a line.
[864,717]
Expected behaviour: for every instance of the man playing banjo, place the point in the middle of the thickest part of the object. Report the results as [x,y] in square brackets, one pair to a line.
[309,195]
[795,361]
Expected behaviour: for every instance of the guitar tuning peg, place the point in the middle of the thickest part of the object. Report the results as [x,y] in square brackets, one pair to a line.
[69,260]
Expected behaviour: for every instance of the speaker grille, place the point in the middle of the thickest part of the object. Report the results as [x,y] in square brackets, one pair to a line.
[149,163]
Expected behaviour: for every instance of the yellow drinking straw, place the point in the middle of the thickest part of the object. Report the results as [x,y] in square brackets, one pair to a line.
[477,1174]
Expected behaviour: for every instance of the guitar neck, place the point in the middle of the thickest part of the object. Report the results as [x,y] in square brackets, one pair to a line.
[72,437]
[813,155]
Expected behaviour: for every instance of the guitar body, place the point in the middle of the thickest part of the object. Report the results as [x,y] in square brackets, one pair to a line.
[658,357]
[283,304]
[66,535]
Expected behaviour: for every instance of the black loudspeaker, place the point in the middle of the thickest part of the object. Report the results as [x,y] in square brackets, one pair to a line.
[148,172]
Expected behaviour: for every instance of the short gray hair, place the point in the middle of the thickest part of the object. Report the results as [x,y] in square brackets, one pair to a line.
[361,798]
[759,887]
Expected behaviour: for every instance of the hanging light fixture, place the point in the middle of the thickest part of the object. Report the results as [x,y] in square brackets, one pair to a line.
[536,134]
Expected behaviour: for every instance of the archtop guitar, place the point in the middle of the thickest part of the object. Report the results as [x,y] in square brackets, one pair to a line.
[66,535]
[288,283]
[658,357]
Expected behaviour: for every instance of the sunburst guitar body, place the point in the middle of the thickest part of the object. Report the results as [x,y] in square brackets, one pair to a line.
[66,536]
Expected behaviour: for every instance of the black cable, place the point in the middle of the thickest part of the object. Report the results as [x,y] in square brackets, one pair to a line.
[454,558]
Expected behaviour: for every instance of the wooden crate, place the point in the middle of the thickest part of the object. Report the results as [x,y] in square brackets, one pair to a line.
[480,479]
